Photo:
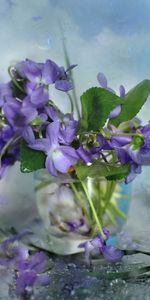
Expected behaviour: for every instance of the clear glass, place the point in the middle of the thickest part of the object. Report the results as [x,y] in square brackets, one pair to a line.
[73,211]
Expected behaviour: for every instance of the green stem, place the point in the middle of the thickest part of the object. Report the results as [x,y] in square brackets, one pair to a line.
[119,212]
[67,59]
[109,192]
[75,100]
[79,197]
[4,149]
[109,135]
[111,217]
[126,134]
[14,80]
[77,194]
[53,104]
[2,122]
[93,211]
[71,102]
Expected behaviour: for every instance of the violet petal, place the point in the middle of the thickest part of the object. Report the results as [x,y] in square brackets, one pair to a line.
[52,131]
[50,166]
[102,80]
[39,96]
[112,254]
[122,91]
[49,72]
[115,112]
[63,85]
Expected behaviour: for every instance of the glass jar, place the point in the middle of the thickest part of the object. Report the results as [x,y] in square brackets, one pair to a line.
[73,211]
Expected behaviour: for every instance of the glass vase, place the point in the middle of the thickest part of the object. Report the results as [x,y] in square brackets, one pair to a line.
[74,211]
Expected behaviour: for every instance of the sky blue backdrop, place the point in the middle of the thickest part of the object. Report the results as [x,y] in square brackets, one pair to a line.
[110,36]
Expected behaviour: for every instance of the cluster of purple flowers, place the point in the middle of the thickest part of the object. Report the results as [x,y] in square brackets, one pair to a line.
[132,148]
[29,114]
[30,269]
[22,112]
[98,246]
[60,156]
[6,135]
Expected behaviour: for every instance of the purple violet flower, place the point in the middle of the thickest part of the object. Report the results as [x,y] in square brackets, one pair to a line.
[115,112]
[112,254]
[30,272]
[39,96]
[133,150]
[104,84]
[13,251]
[134,171]
[78,226]
[84,155]
[122,91]
[63,82]
[139,148]
[103,143]
[30,70]
[29,268]
[68,125]
[6,163]
[9,158]
[5,90]
[59,158]
[20,117]
[6,133]
[98,246]
[45,74]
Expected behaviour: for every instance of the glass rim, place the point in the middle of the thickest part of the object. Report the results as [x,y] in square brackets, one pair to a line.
[43,175]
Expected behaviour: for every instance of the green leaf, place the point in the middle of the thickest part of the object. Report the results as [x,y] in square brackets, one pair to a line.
[31,160]
[99,169]
[133,102]
[97,103]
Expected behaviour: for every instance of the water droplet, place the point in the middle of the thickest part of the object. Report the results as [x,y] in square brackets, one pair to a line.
[72,293]
[45,43]
[71,266]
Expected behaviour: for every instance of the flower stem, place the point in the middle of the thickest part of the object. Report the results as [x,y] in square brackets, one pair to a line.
[71,102]
[109,135]
[79,198]
[119,212]
[109,191]
[126,134]
[67,59]
[93,211]
[14,80]
[6,146]
[76,101]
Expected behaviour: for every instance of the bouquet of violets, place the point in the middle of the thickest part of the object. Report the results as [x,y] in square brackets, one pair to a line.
[90,154]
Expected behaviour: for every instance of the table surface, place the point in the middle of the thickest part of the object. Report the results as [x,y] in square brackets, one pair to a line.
[72,279]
